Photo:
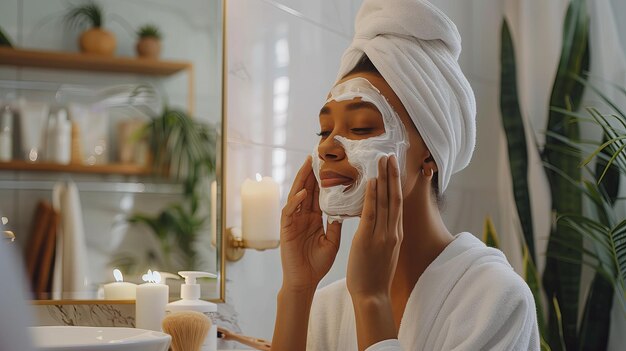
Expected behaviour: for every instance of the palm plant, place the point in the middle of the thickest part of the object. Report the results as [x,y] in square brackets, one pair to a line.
[562,159]
[604,228]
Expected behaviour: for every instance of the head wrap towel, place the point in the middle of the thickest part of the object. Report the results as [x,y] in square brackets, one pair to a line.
[415,47]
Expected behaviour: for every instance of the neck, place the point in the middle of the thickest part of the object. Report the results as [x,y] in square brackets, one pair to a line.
[425,237]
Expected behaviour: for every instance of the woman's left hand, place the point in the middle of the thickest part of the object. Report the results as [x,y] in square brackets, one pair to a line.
[376,244]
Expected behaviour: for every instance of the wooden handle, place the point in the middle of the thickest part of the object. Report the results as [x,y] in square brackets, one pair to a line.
[258,344]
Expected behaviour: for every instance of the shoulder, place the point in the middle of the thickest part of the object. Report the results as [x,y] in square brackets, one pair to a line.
[487,272]
[491,306]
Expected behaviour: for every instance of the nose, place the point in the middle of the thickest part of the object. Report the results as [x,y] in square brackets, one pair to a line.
[331,150]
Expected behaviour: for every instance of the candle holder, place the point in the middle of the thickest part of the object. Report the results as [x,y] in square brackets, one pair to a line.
[8,236]
[236,245]
[260,218]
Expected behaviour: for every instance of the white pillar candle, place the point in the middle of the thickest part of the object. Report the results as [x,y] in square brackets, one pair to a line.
[260,213]
[119,290]
[152,297]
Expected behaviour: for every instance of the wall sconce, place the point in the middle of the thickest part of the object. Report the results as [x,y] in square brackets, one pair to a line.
[8,236]
[260,218]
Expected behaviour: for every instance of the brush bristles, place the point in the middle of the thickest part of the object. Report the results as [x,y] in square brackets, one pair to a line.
[188,330]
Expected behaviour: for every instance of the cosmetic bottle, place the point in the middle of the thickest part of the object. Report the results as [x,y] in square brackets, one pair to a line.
[58,138]
[190,301]
[6,135]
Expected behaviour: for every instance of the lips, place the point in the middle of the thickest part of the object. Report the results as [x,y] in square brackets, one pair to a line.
[330,178]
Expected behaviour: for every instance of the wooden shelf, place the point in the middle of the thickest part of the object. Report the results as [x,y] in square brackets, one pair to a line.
[118,169]
[88,62]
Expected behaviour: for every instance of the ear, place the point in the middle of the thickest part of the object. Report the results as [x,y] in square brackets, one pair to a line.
[428,162]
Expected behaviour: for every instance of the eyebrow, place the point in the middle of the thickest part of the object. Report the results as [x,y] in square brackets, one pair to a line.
[351,107]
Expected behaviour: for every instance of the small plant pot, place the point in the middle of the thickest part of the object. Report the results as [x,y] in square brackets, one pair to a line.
[149,48]
[97,41]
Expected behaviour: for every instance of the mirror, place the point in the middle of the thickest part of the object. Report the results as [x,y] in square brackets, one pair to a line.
[114,160]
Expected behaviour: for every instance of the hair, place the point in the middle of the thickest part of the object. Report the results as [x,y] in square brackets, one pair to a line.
[365,65]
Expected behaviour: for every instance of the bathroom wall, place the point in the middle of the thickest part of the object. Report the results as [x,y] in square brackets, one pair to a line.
[283,56]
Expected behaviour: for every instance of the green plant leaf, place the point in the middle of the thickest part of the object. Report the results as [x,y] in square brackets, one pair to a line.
[4,39]
[562,277]
[531,276]
[490,237]
[594,329]
[149,31]
[89,14]
[516,136]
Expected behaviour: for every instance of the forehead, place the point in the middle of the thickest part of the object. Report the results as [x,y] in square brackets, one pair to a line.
[378,83]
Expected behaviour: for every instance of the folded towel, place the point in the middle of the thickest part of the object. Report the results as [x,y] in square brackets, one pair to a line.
[415,47]
[71,266]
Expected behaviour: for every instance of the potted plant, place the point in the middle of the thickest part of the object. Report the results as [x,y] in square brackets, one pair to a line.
[4,40]
[94,40]
[149,41]
[185,148]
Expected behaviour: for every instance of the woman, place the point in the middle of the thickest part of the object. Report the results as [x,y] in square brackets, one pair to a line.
[410,283]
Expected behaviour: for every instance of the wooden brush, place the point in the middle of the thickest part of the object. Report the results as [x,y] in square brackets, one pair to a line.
[257,344]
[188,329]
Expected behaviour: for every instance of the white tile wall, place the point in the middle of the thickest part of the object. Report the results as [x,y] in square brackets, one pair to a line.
[283,57]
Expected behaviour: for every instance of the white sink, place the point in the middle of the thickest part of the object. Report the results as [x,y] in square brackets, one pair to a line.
[65,338]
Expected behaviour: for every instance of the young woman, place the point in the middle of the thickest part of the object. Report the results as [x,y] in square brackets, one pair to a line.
[410,283]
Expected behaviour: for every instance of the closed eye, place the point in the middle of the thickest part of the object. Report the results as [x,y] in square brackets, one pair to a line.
[323,134]
[362,131]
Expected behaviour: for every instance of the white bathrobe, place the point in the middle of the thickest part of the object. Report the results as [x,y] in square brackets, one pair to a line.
[469,298]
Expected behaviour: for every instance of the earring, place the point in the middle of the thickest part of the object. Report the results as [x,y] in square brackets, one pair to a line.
[432,172]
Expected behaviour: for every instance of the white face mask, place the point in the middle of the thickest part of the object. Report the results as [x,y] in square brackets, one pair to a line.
[337,202]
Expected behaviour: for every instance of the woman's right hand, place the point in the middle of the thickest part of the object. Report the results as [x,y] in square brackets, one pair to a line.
[307,253]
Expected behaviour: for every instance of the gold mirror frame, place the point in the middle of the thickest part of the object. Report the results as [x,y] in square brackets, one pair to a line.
[221,176]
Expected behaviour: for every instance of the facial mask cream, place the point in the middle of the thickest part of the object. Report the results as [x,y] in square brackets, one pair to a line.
[339,202]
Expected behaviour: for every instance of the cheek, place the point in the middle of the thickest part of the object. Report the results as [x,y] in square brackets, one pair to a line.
[412,169]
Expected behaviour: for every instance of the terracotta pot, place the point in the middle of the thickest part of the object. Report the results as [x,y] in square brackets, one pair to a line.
[97,41]
[149,48]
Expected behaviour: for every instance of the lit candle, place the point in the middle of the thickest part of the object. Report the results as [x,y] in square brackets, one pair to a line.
[260,212]
[152,297]
[119,290]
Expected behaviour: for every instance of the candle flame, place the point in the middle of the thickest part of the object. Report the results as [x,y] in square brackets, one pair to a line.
[156,277]
[151,277]
[258,177]
[118,275]
[147,277]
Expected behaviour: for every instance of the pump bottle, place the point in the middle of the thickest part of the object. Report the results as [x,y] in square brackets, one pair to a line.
[190,301]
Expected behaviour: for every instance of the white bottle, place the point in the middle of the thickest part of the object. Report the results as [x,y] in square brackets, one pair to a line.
[190,301]
[59,138]
[6,135]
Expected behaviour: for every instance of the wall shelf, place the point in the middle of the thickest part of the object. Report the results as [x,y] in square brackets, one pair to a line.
[118,169]
[86,62]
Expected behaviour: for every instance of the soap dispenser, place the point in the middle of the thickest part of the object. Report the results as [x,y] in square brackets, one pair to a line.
[190,301]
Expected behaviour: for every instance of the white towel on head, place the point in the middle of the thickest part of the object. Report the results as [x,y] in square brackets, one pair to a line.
[415,47]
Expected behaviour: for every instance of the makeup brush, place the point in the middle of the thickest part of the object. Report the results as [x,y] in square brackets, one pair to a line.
[188,329]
